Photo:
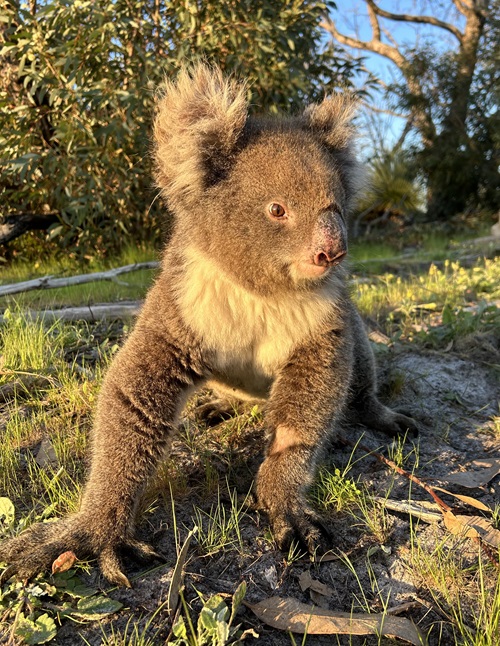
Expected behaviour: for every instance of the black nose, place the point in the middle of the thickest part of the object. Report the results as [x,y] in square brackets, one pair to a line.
[328,258]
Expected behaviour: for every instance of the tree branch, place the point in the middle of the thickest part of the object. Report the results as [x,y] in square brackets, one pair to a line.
[13,226]
[429,20]
[49,282]
[374,22]
[391,113]
[373,45]
[462,6]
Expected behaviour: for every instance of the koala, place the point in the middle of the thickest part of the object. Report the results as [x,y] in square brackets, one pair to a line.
[252,298]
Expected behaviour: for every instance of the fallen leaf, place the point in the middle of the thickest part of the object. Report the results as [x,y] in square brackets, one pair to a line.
[46,455]
[306,581]
[64,562]
[379,337]
[291,615]
[472,479]
[178,575]
[467,499]
[472,527]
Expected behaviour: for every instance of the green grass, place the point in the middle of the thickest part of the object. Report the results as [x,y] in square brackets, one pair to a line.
[52,400]
[219,528]
[467,593]
[132,286]
[406,305]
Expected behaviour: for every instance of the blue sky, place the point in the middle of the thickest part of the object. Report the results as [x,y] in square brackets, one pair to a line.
[351,18]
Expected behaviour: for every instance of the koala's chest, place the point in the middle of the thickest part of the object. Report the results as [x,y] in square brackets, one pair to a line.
[248,337]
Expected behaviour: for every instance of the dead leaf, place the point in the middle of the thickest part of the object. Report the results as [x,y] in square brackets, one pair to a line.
[306,581]
[46,455]
[468,500]
[472,479]
[178,575]
[472,527]
[291,615]
[64,562]
[379,337]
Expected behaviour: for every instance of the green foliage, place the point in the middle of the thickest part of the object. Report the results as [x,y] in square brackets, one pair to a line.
[219,529]
[392,190]
[77,87]
[461,322]
[214,626]
[334,490]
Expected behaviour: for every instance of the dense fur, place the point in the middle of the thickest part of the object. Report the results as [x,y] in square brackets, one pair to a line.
[252,297]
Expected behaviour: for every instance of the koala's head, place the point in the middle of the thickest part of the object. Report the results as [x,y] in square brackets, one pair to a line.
[266,199]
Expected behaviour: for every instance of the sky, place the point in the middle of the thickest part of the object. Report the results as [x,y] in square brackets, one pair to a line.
[351,19]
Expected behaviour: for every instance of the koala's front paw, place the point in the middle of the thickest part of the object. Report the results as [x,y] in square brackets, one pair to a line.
[280,485]
[34,551]
[302,527]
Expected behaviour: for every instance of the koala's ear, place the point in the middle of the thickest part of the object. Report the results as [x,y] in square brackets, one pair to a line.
[331,120]
[199,118]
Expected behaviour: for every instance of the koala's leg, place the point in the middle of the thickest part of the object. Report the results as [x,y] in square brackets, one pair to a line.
[364,407]
[306,399]
[142,395]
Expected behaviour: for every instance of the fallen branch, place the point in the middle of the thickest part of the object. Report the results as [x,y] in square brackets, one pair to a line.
[49,282]
[123,310]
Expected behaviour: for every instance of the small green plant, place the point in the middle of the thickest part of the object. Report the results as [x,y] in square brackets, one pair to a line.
[134,634]
[334,490]
[215,623]
[219,528]
[373,515]
[295,553]
[397,453]
[460,322]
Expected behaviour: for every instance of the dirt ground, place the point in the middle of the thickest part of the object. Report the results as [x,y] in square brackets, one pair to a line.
[452,395]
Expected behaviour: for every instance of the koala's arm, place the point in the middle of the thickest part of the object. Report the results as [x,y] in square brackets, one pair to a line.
[142,395]
[307,398]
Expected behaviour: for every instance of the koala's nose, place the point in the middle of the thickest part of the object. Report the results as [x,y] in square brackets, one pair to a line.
[329,257]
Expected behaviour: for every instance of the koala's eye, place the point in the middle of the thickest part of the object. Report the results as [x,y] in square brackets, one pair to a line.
[277,210]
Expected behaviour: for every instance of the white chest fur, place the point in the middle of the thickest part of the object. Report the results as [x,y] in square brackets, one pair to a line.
[248,335]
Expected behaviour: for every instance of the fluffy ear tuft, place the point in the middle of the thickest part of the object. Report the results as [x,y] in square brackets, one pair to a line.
[331,119]
[199,118]
[331,122]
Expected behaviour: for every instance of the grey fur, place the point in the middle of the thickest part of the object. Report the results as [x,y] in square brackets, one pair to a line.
[254,303]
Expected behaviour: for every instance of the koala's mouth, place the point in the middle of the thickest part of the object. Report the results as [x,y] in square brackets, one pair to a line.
[309,270]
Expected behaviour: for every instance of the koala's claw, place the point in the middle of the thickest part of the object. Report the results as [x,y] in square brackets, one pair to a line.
[141,551]
[304,529]
[111,566]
